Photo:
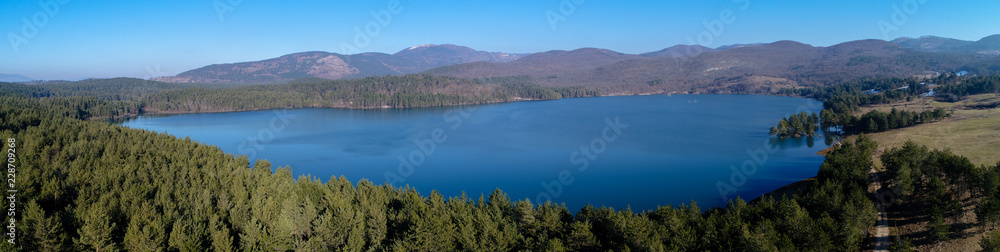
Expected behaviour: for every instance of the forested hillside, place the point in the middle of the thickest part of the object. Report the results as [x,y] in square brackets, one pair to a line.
[754,69]
[761,69]
[371,92]
[327,65]
[932,188]
[989,45]
[120,97]
[842,103]
[87,185]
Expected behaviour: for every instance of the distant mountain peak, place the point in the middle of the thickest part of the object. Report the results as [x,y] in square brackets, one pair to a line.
[989,45]
[733,46]
[992,38]
[789,43]
[680,51]
[420,46]
[328,65]
[14,78]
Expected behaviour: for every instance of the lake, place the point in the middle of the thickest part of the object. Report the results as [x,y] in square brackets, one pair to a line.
[637,151]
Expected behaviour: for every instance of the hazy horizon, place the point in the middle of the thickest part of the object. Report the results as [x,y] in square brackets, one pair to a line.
[61,39]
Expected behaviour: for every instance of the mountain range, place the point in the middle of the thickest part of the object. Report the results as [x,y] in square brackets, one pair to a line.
[742,68]
[338,66]
[14,78]
[988,45]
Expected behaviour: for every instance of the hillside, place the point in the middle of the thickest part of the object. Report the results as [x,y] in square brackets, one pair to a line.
[680,51]
[122,97]
[551,63]
[751,69]
[986,46]
[337,66]
[14,78]
[94,186]
[741,68]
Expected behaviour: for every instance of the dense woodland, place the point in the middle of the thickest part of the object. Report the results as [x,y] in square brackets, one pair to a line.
[934,183]
[927,182]
[121,97]
[937,180]
[842,103]
[88,185]
[371,92]
[974,85]
[91,186]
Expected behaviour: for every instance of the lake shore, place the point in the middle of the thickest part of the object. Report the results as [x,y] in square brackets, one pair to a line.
[652,154]
[155,112]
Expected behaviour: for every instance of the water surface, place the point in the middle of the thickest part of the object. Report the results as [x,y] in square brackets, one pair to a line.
[638,151]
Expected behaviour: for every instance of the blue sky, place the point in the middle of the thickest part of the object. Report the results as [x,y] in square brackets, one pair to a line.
[142,38]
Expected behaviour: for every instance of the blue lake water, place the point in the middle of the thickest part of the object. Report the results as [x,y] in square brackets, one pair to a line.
[638,151]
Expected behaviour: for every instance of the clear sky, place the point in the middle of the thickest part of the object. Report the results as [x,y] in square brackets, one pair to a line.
[73,39]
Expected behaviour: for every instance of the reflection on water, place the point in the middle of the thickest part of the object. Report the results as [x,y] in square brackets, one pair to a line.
[829,138]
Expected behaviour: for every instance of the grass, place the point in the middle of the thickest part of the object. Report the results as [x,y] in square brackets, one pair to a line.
[927,103]
[971,133]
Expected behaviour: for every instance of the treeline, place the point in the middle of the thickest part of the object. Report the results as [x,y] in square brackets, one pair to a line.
[933,182]
[98,187]
[840,109]
[797,125]
[77,107]
[372,92]
[407,91]
[888,89]
[115,89]
[973,86]
[843,101]
[91,98]
[879,121]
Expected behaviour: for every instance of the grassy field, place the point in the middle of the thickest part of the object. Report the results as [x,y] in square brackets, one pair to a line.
[973,133]
[928,103]
[968,132]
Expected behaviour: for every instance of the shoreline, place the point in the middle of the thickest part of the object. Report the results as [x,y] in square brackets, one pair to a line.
[174,112]
[794,187]
[787,190]
[784,190]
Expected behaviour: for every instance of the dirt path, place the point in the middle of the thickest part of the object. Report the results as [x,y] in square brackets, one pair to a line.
[882,226]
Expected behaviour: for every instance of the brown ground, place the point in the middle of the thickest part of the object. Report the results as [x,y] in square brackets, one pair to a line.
[909,220]
[974,133]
